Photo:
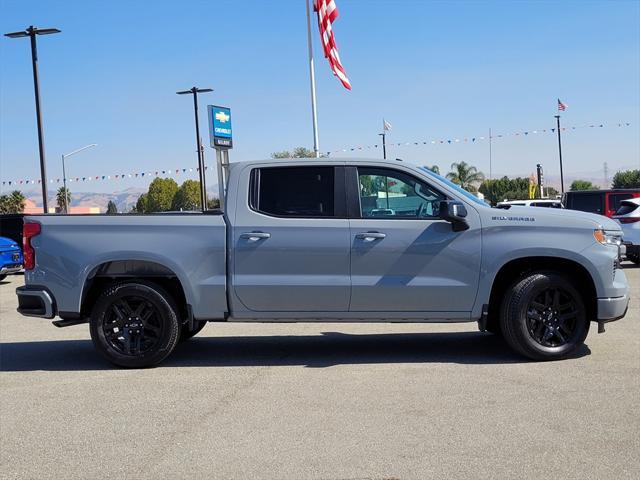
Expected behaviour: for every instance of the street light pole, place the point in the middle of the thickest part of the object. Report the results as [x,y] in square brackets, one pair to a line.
[64,174]
[384,145]
[203,189]
[32,32]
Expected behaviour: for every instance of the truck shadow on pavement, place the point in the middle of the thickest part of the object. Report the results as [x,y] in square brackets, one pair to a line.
[312,351]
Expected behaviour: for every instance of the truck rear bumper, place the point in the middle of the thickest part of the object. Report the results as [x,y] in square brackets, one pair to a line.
[35,302]
[610,309]
[10,269]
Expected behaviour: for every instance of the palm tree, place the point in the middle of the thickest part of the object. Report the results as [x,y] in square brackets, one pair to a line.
[60,199]
[17,201]
[434,168]
[12,203]
[465,175]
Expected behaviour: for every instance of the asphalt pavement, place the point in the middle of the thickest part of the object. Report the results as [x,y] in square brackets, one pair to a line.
[319,401]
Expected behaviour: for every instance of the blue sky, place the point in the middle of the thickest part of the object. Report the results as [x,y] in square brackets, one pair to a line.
[433,69]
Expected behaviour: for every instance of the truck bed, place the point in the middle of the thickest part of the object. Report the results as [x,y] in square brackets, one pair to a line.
[190,246]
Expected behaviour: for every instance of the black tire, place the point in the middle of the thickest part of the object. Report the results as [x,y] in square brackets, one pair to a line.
[186,334]
[634,258]
[135,324]
[2,277]
[543,316]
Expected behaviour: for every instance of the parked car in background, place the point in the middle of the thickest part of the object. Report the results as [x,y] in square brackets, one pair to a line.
[536,202]
[11,226]
[10,257]
[603,202]
[628,214]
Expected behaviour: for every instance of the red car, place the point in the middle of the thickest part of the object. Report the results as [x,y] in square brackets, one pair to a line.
[603,202]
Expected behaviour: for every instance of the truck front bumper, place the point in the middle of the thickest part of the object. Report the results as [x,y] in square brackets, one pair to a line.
[610,309]
[35,302]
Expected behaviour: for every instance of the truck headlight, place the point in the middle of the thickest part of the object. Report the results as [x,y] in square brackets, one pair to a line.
[608,237]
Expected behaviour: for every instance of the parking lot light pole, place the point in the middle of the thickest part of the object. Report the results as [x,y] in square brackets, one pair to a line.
[64,174]
[203,188]
[32,32]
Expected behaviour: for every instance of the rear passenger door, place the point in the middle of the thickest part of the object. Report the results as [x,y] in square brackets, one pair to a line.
[291,240]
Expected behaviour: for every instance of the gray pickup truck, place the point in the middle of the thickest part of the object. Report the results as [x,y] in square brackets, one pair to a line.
[319,240]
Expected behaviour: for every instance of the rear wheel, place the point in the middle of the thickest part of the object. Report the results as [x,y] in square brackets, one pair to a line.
[2,277]
[543,317]
[135,324]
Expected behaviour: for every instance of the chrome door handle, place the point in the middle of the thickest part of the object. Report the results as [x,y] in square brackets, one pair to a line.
[255,236]
[370,236]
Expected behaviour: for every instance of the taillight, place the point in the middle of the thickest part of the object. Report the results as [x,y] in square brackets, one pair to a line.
[29,230]
[629,219]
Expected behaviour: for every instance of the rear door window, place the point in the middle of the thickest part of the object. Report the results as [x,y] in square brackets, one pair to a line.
[588,202]
[626,207]
[616,198]
[294,191]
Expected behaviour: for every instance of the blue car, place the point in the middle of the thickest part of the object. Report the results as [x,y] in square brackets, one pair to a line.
[10,257]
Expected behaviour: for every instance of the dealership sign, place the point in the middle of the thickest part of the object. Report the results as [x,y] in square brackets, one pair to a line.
[220,134]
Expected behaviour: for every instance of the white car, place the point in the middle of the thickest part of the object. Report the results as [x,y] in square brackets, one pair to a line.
[628,215]
[536,202]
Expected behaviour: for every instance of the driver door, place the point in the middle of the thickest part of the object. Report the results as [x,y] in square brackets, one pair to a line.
[404,258]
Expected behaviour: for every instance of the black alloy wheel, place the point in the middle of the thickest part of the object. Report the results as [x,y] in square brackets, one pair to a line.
[135,324]
[543,316]
[132,325]
[552,317]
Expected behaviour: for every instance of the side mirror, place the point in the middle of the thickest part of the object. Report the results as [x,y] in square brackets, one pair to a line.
[454,212]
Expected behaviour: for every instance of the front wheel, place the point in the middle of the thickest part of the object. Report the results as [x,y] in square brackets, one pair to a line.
[135,324]
[2,277]
[543,317]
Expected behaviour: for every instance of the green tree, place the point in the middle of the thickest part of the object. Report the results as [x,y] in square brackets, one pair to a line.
[187,197]
[111,208]
[63,193]
[298,152]
[626,179]
[141,204]
[551,192]
[434,168]
[212,203]
[582,185]
[465,175]
[160,195]
[12,203]
[505,188]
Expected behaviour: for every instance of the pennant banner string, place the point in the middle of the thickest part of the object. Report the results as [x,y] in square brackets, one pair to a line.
[439,141]
[471,139]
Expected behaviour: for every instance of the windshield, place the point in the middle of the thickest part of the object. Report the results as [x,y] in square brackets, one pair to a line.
[457,188]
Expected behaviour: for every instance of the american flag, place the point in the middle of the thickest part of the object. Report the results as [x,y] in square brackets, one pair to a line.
[561,106]
[327,14]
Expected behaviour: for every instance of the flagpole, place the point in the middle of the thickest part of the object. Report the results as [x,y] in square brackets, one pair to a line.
[560,154]
[314,115]
[490,137]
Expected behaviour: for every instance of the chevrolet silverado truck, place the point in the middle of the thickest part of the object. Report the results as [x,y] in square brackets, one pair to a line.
[327,240]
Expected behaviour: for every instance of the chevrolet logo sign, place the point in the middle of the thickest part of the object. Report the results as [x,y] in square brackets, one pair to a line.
[222,117]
